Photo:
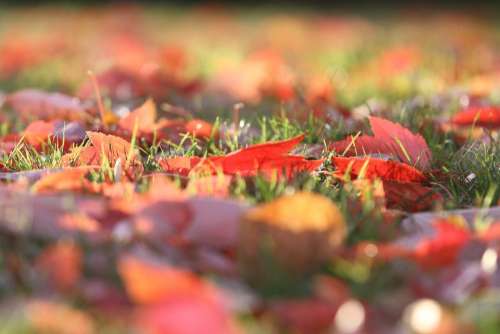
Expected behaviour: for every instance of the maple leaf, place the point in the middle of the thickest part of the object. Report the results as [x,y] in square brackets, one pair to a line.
[372,168]
[148,127]
[106,148]
[267,159]
[391,139]
[143,117]
[487,117]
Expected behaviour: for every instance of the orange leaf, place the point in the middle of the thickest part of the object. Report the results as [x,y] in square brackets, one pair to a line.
[377,168]
[147,282]
[68,179]
[144,116]
[179,165]
[61,263]
[106,147]
[39,132]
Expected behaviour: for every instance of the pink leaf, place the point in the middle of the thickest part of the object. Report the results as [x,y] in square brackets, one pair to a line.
[389,138]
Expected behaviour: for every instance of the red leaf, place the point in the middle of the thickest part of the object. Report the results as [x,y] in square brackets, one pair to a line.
[199,128]
[442,248]
[268,159]
[185,315]
[306,316]
[377,168]
[410,196]
[488,117]
[267,149]
[171,298]
[388,138]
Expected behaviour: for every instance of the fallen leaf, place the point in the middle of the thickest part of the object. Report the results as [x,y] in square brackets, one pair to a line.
[391,139]
[304,316]
[268,159]
[185,315]
[410,196]
[300,232]
[211,185]
[106,148]
[61,265]
[488,117]
[372,168]
[215,222]
[148,282]
[67,179]
[45,216]
[143,117]
[442,248]
[50,317]
[60,133]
